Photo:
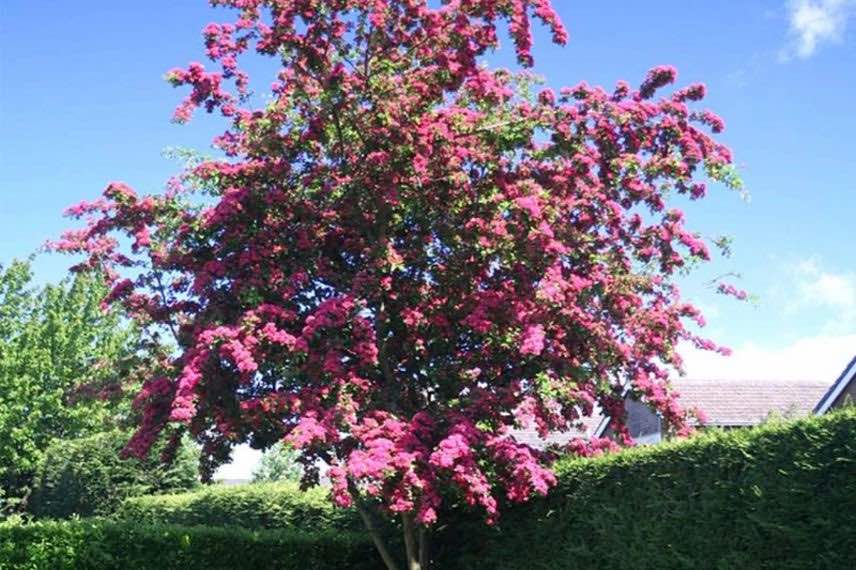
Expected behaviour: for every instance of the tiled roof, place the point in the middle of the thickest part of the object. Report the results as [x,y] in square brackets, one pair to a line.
[749,402]
[724,402]
[531,437]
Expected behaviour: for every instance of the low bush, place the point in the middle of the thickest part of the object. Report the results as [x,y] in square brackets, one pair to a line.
[778,496]
[109,545]
[255,506]
[87,476]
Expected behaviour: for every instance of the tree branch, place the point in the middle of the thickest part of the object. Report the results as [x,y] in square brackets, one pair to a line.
[162,292]
[381,316]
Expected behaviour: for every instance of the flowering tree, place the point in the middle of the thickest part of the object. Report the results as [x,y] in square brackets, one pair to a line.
[404,255]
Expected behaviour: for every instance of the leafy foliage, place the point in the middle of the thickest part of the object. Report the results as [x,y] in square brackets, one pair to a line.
[105,545]
[279,463]
[779,496]
[87,476]
[61,361]
[256,506]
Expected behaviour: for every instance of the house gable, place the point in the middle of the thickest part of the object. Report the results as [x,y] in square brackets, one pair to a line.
[840,391]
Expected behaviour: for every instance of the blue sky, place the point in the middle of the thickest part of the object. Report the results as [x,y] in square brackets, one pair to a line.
[82,102]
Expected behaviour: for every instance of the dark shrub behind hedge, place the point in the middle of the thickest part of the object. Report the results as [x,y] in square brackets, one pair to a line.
[255,506]
[88,477]
[106,545]
[778,496]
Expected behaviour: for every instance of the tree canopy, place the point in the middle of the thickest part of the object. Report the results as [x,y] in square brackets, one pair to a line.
[404,255]
[279,463]
[62,363]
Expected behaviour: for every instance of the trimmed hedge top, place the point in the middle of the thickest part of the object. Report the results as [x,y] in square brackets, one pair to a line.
[108,545]
[778,496]
[781,495]
[254,506]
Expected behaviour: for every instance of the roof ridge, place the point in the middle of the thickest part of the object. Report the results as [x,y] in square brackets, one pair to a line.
[758,380]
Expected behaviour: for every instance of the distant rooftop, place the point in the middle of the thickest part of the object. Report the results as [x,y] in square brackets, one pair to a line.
[725,403]
[749,402]
[233,482]
[530,436]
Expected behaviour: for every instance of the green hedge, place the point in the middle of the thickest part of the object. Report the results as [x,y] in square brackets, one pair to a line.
[255,506]
[778,496]
[105,545]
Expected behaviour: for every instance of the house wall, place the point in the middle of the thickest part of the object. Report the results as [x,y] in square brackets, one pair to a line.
[643,423]
[848,395]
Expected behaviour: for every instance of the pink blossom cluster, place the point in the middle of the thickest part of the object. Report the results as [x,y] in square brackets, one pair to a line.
[732,291]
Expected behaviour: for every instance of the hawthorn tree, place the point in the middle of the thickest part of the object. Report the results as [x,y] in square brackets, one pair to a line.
[403,255]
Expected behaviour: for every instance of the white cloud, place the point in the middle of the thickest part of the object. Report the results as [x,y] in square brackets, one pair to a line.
[819,288]
[816,22]
[835,290]
[811,358]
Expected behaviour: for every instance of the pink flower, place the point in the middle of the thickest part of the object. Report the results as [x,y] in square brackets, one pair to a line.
[731,290]
[657,77]
[530,204]
[532,340]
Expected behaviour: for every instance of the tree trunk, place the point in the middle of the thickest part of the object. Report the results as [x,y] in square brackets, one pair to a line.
[412,543]
[423,547]
[415,540]
[388,559]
